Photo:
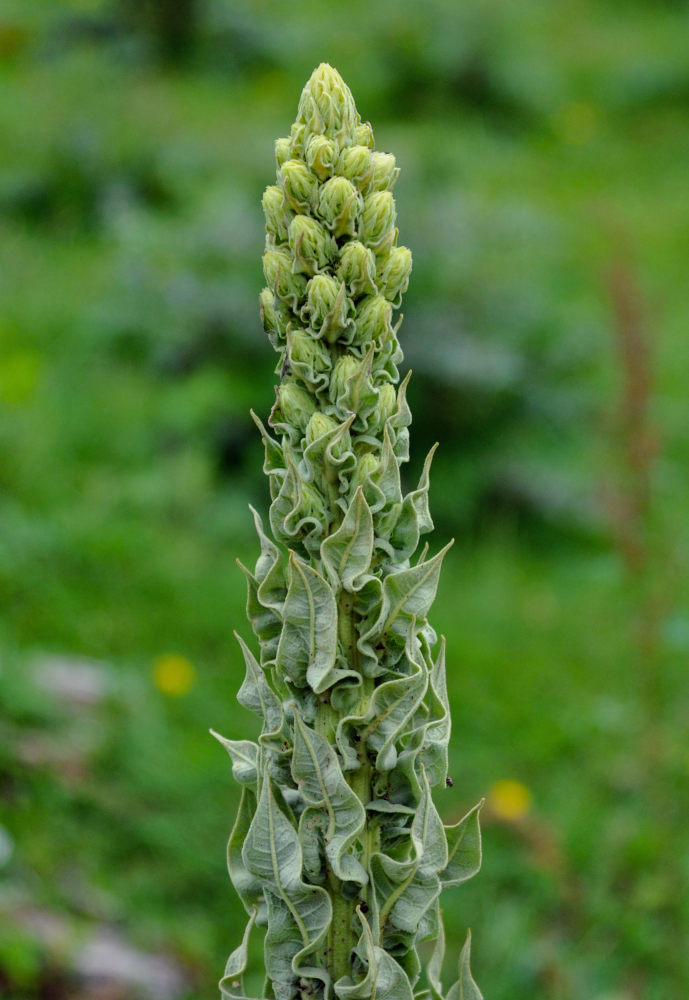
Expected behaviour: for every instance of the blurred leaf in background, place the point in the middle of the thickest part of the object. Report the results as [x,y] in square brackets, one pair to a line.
[137,140]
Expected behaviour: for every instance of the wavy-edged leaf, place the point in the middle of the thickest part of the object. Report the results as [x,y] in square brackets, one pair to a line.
[433,754]
[408,594]
[255,694]
[465,988]
[274,456]
[387,476]
[265,623]
[232,985]
[298,914]
[404,890]
[347,553]
[244,757]
[403,780]
[414,518]
[434,969]
[308,645]
[298,512]
[384,979]
[316,770]
[464,849]
[393,703]
[269,571]
[249,888]
[427,833]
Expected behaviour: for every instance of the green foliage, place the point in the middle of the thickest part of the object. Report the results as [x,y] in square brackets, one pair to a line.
[343,853]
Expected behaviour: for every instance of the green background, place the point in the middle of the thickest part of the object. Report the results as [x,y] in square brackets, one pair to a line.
[543,191]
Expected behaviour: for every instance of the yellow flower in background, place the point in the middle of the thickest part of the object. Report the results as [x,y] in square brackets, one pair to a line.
[173,674]
[509,800]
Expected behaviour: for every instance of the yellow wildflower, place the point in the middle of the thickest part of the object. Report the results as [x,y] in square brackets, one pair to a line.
[509,800]
[173,674]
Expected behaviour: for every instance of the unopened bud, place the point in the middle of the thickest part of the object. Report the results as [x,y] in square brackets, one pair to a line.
[394,277]
[277,267]
[312,502]
[345,368]
[308,357]
[309,243]
[356,166]
[373,320]
[385,171]
[326,305]
[339,205]
[298,184]
[357,268]
[326,106]
[282,151]
[297,138]
[379,221]
[366,466]
[387,403]
[319,424]
[321,155]
[296,405]
[274,211]
[363,135]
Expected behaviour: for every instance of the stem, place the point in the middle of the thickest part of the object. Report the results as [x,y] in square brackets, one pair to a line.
[342,936]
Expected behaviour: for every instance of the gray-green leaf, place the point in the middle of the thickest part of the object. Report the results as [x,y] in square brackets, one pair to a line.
[347,553]
[317,772]
[465,988]
[308,644]
[243,754]
[298,914]
[231,984]
[464,849]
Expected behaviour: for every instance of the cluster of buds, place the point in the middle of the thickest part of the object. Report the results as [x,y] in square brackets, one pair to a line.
[338,849]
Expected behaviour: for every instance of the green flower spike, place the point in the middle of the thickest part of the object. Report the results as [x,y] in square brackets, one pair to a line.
[338,851]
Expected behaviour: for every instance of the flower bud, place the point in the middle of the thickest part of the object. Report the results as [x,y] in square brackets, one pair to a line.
[296,405]
[319,424]
[282,151]
[357,268]
[387,403]
[326,305]
[312,503]
[326,106]
[373,320]
[379,221]
[297,139]
[321,155]
[339,205]
[356,166]
[363,135]
[298,184]
[308,358]
[274,211]
[394,276]
[385,171]
[277,267]
[345,368]
[365,467]
[309,243]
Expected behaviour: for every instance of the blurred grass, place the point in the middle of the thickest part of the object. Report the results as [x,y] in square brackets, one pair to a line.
[535,145]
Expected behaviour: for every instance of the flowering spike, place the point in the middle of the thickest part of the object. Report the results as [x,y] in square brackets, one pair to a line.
[338,849]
